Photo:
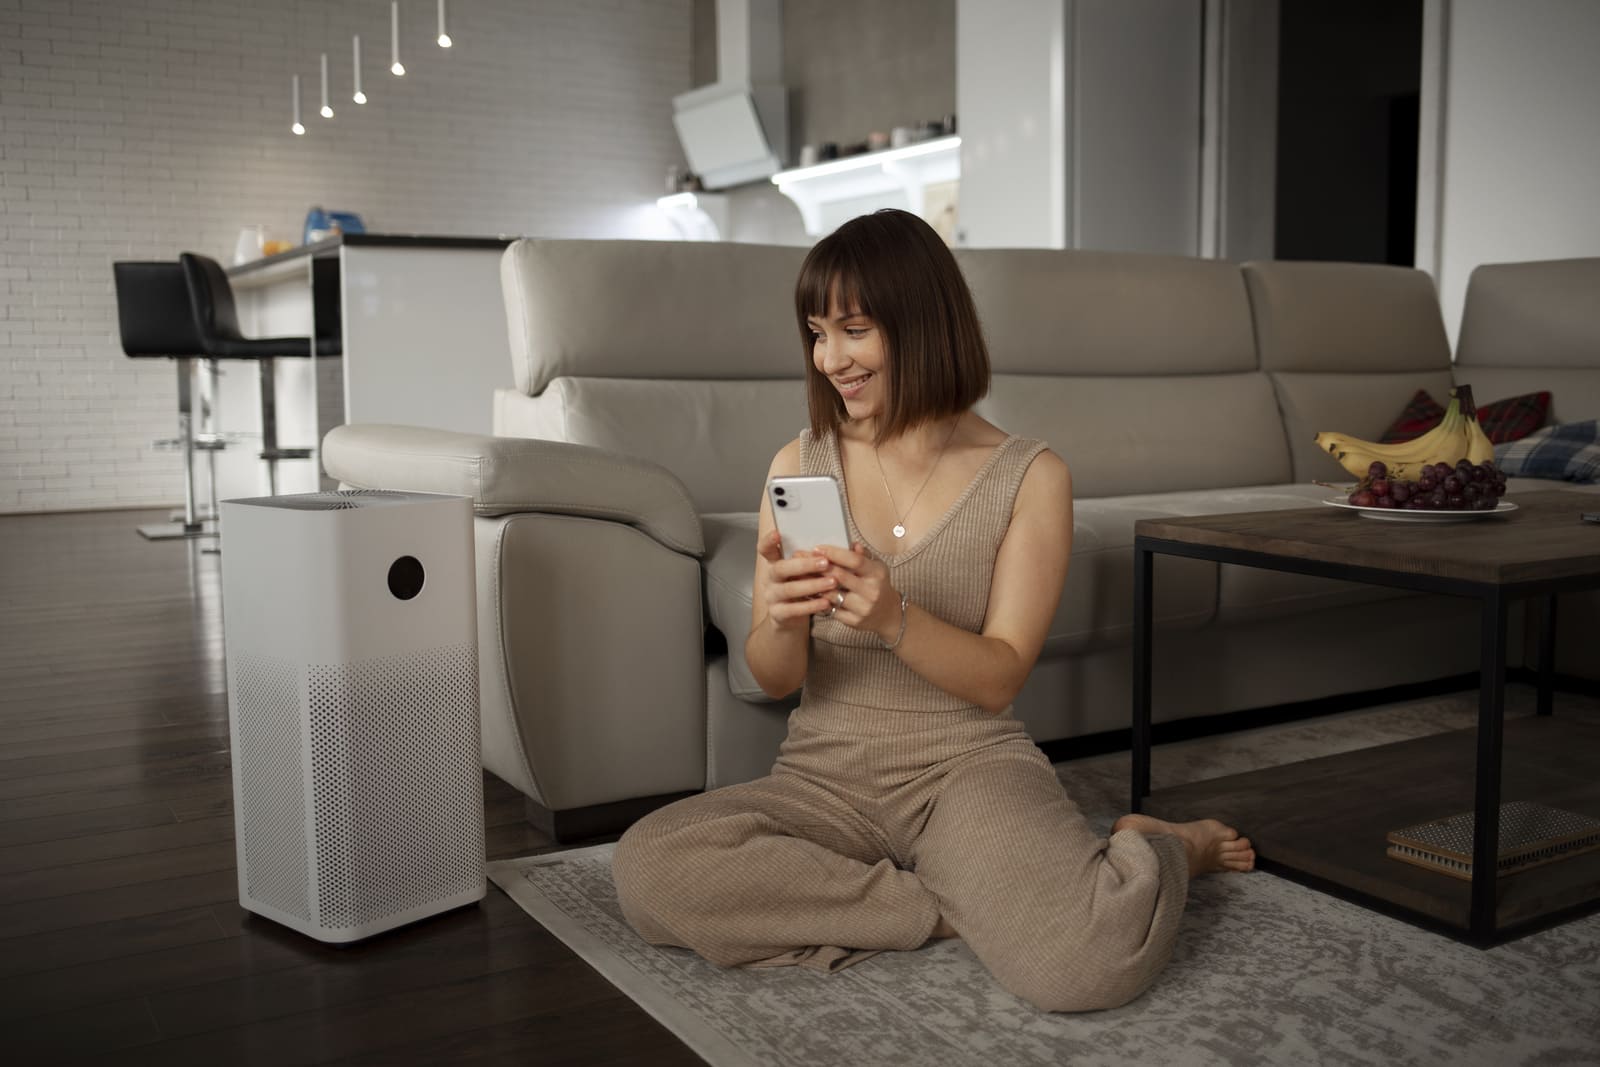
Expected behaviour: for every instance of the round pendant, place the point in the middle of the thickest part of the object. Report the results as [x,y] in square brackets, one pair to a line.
[899,531]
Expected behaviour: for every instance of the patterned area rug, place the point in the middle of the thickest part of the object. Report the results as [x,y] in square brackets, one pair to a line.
[1265,972]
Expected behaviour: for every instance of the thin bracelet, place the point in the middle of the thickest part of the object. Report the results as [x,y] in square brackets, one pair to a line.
[902,634]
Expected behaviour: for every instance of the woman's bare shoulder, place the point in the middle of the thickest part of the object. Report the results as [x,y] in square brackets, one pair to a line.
[787,461]
[1047,482]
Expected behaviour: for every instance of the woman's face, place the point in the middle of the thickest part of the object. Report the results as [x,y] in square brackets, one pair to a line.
[848,350]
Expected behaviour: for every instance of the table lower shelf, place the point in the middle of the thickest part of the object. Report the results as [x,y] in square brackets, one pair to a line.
[1325,820]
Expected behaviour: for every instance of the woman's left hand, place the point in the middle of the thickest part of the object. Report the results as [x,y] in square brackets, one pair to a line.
[864,599]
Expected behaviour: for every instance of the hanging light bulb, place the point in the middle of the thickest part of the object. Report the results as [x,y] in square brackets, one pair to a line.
[395,67]
[355,43]
[327,109]
[297,127]
[444,35]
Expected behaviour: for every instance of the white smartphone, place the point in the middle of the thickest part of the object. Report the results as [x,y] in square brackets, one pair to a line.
[808,512]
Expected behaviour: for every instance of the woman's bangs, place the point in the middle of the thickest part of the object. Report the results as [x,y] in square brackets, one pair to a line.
[829,280]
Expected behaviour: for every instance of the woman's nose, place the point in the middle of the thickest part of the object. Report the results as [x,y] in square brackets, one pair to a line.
[831,358]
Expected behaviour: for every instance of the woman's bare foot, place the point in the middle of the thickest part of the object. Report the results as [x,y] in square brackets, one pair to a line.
[1211,846]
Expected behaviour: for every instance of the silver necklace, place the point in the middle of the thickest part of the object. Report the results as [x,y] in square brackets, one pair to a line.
[900,516]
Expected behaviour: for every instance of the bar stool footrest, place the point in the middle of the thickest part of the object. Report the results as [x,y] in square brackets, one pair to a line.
[174,531]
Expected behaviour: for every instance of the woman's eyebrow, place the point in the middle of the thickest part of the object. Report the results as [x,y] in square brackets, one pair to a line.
[814,320]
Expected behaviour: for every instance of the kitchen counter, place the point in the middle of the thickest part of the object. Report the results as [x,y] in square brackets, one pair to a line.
[246,273]
[421,326]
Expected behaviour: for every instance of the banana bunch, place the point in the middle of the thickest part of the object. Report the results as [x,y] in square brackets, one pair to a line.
[1457,436]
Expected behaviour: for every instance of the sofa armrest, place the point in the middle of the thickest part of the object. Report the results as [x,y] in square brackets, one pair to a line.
[503,475]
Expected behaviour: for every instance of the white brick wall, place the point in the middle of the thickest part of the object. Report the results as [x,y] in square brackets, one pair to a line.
[136,129]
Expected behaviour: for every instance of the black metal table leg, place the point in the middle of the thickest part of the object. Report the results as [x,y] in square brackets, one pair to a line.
[1142,574]
[1547,654]
[1486,809]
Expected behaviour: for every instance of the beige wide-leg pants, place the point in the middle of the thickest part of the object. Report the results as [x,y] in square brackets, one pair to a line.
[873,824]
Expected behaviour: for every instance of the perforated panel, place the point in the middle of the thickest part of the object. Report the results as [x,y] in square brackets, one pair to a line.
[397,783]
[339,499]
[271,802]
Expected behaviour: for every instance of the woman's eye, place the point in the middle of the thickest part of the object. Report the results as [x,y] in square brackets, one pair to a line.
[857,331]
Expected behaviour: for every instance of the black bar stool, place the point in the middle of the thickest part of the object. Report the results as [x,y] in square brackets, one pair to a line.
[156,320]
[216,320]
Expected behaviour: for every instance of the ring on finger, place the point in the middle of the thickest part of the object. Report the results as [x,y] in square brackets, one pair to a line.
[838,598]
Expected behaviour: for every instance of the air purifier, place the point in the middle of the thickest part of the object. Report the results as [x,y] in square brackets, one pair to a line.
[351,634]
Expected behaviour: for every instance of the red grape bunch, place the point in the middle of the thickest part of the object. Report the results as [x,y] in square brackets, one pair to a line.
[1439,487]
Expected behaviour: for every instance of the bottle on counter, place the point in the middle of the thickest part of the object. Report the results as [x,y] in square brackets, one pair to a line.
[318,226]
[251,244]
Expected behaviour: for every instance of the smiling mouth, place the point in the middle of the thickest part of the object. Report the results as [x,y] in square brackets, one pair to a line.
[851,386]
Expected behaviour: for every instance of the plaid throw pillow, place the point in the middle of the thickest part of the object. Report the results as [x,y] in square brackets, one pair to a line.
[1569,452]
[1504,420]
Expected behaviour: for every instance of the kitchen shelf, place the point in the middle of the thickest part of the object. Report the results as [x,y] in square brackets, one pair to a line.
[886,176]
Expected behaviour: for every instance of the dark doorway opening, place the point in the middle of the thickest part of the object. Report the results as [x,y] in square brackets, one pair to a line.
[1349,75]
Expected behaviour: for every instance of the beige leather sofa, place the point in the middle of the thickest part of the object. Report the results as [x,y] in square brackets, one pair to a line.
[654,382]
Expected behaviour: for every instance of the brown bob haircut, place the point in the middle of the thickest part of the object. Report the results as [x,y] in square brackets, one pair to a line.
[892,267]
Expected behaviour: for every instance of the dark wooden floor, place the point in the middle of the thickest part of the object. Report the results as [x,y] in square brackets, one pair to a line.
[121,936]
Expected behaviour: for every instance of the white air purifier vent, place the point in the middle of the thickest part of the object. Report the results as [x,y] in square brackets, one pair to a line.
[395,735]
[351,629]
[337,499]
[268,745]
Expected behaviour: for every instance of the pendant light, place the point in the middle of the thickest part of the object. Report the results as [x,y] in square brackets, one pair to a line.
[327,108]
[444,35]
[395,66]
[297,127]
[355,44]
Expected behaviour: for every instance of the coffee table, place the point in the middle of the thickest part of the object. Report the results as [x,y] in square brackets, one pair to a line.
[1314,821]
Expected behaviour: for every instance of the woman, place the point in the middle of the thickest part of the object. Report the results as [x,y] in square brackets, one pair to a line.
[907,803]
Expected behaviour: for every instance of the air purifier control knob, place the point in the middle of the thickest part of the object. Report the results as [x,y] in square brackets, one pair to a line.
[406,577]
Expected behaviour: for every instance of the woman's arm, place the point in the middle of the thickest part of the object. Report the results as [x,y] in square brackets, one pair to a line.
[986,668]
[785,595]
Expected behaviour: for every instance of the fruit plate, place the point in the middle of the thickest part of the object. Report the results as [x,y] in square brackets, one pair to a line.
[1404,515]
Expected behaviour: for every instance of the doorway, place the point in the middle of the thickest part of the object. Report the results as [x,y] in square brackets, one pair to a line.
[1349,79]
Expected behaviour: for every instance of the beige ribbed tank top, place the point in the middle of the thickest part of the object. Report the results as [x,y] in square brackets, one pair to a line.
[945,572]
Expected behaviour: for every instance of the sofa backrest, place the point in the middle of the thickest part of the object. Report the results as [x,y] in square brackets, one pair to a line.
[1527,327]
[1346,346]
[685,353]
[1140,370]
[650,309]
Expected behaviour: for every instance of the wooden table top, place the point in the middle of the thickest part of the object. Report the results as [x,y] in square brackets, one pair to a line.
[1543,539]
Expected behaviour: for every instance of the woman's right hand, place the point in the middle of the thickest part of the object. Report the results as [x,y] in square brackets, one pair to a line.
[795,588]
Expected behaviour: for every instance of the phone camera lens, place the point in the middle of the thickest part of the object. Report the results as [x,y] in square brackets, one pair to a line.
[782,503]
[777,490]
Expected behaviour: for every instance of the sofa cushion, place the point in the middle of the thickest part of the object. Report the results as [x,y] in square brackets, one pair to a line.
[730,572]
[1539,314]
[1356,404]
[1096,607]
[1050,312]
[742,739]
[1148,434]
[650,309]
[1570,452]
[718,437]
[1350,318]
[1502,421]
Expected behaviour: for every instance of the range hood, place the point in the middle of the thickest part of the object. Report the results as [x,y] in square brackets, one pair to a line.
[736,129]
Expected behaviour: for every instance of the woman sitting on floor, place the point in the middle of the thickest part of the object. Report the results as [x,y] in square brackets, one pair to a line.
[906,802]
